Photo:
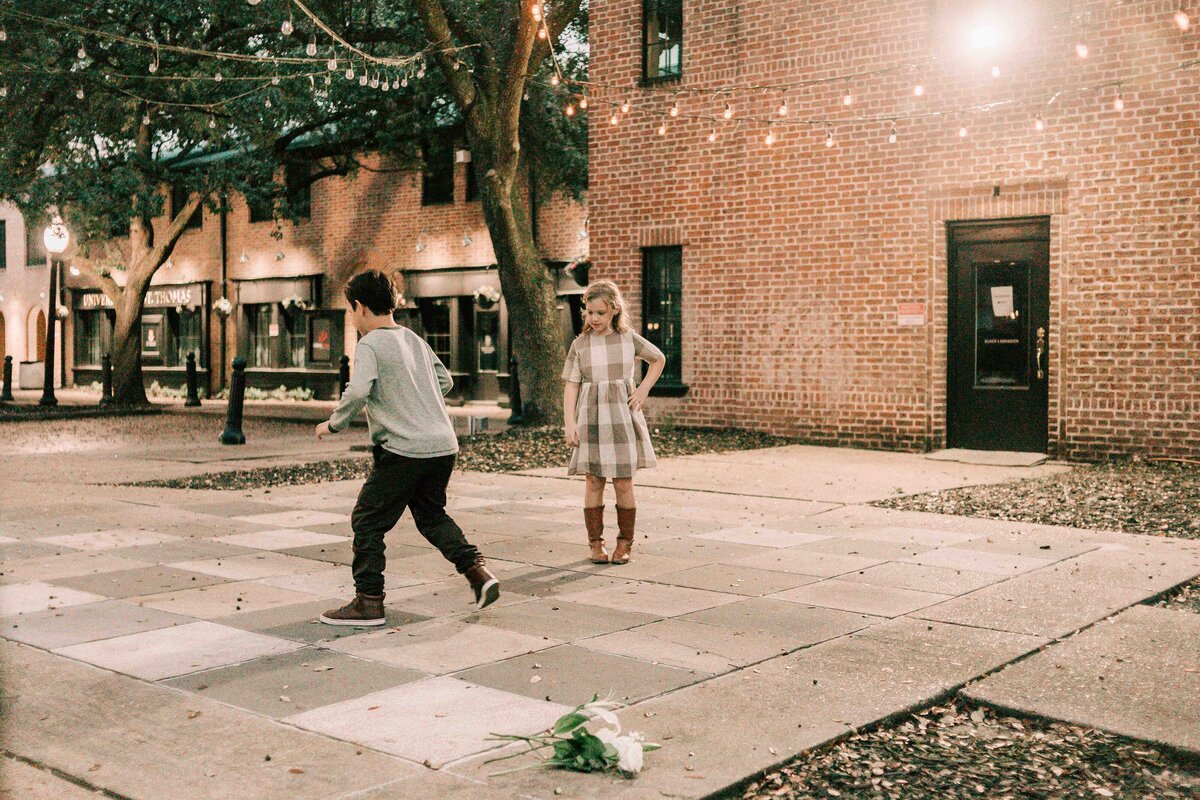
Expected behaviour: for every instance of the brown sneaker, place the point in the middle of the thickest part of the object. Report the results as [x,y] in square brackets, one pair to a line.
[364,609]
[483,583]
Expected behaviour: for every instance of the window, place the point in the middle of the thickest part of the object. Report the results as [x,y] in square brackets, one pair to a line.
[435,319]
[88,345]
[472,183]
[299,190]
[296,322]
[262,209]
[662,39]
[188,336]
[662,306]
[437,179]
[3,245]
[179,198]
[35,248]
[258,335]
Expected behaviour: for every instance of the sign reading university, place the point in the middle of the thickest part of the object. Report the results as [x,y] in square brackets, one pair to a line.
[165,297]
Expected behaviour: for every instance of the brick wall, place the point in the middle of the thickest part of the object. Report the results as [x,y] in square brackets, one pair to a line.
[796,255]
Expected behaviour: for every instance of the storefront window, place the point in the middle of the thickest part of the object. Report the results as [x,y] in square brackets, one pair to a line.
[295,321]
[487,340]
[186,325]
[258,334]
[88,344]
[435,319]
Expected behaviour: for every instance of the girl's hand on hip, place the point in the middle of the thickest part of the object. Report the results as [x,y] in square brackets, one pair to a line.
[637,399]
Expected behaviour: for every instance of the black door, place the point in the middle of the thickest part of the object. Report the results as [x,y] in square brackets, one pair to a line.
[999,335]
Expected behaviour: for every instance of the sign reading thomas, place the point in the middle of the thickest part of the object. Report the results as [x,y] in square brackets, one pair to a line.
[187,296]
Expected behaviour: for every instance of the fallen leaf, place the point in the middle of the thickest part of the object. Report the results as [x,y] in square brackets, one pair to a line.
[296,771]
[193,714]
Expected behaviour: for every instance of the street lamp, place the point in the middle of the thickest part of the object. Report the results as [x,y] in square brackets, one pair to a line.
[56,239]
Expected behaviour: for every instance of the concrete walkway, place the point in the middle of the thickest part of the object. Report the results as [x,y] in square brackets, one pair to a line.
[161,643]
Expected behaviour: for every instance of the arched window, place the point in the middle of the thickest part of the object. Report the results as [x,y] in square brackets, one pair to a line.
[3,338]
[37,335]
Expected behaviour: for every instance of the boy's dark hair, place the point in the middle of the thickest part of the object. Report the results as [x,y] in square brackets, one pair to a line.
[372,289]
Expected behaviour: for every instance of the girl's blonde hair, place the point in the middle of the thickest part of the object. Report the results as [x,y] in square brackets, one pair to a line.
[609,293]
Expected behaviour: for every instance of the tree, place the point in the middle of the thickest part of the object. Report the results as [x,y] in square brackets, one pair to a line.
[110,103]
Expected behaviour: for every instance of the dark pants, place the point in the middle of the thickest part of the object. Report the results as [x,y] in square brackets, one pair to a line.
[397,482]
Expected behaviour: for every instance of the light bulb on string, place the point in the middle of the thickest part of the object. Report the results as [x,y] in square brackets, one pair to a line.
[253,2]
[362,79]
[1039,124]
[783,106]
[962,130]
[3,34]
[275,80]
[828,136]
[331,64]
[892,137]
[583,101]
[81,53]
[218,78]
[613,120]
[154,64]
[995,70]
[79,93]
[375,81]
[310,49]
[4,91]
[1081,49]
[212,122]
[554,79]
[1119,101]
[267,102]
[918,89]
[675,108]
[570,110]
[662,128]
[769,139]
[1182,20]
[145,119]
[287,27]
[395,82]
[537,12]
[625,106]
[404,81]
[386,85]
[542,33]
[350,73]
[712,134]
[328,80]
[728,112]
[848,97]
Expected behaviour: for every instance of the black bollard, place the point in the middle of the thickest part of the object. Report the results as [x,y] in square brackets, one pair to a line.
[514,394]
[6,396]
[344,375]
[106,380]
[193,396]
[233,417]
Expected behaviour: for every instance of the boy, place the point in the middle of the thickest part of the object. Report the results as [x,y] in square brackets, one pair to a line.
[401,382]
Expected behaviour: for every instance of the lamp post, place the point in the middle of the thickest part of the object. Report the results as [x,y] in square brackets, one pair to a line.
[56,239]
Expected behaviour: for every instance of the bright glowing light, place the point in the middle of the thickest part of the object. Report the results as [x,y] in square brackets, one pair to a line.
[962,131]
[728,112]
[995,70]
[1182,20]
[712,135]
[919,90]
[783,107]
[1081,49]
[1118,102]
[1039,124]
[55,237]
[662,129]
[625,106]
[892,137]
[984,36]
[613,119]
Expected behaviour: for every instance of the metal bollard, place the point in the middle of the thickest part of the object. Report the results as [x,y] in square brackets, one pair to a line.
[233,417]
[193,396]
[344,375]
[106,396]
[6,396]
[514,394]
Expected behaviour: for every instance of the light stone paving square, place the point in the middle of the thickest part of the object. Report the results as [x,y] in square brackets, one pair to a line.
[880,601]
[67,565]
[797,624]
[977,561]
[180,550]
[921,578]
[921,536]
[167,652]
[806,562]
[846,546]
[280,539]
[439,647]
[1038,604]
[8,540]
[665,601]
[551,582]
[692,550]
[572,675]
[741,580]
[109,540]
[464,503]
[251,566]
[762,537]
[295,519]
[143,580]
[692,645]
[34,596]
[1155,570]
[457,718]
[334,581]
[85,623]
[295,682]
[222,599]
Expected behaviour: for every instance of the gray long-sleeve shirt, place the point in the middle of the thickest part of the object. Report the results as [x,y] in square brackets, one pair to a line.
[401,382]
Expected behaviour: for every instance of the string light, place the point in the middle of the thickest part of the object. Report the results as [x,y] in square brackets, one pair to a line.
[570,111]
[995,70]
[962,130]
[728,112]
[253,2]
[675,108]
[712,134]
[4,91]
[918,89]
[328,80]
[662,128]
[625,106]
[892,137]
[375,81]
[154,64]
[3,35]
[583,101]
[212,122]
[1182,20]
[287,27]
[554,79]
[537,12]
[81,53]
[274,80]
[828,136]
[783,106]
[219,77]
[542,34]
[350,73]
[1039,124]
[770,137]
[310,49]
[848,98]
[1119,101]
[145,119]
[331,64]
[362,79]
[1081,49]
[613,119]
[79,93]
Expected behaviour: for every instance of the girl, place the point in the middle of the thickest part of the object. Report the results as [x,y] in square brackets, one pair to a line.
[602,413]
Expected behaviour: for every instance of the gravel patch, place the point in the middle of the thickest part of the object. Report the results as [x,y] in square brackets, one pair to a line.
[512,450]
[964,751]
[1159,498]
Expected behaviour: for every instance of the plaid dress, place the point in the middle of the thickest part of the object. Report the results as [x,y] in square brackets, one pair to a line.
[613,439]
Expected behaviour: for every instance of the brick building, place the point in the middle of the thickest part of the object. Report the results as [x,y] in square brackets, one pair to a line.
[24,284]
[288,315]
[1009,260]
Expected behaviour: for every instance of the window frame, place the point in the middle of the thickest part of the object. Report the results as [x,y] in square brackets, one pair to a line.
[671,384]
[178,197]
[646,46]
[298,197]
[445,190]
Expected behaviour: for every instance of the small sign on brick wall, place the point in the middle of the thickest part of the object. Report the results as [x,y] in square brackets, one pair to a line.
[910,314]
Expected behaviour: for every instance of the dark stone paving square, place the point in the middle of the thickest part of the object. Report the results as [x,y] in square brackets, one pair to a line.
[183,550]
[232,507]
[20,551]
[572,675]
[299,622]
[560,619]
[802,625]
[343,552]
[136,582]
[61,627]
[286,684]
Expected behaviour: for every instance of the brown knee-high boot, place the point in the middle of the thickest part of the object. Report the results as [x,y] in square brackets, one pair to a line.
[625,520]
[593,518]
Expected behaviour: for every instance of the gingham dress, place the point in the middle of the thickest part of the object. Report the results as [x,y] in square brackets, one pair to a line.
[613,439]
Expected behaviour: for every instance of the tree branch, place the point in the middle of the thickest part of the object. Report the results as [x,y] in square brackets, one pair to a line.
[437,31]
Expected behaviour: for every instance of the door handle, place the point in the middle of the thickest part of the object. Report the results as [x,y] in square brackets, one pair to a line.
[1041,351]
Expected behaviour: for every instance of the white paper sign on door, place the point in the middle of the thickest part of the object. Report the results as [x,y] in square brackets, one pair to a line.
[1002,301]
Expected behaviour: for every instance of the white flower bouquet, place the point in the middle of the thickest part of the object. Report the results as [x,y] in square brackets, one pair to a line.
[223,307]
[296,302]
[578,749]
[487,296]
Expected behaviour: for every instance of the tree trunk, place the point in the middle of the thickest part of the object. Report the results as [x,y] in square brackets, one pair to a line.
[530,294]
[128,389]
